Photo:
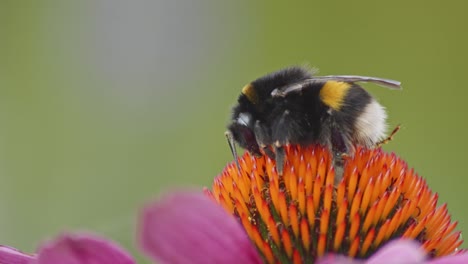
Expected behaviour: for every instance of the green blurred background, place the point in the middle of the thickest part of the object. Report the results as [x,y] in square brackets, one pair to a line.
[105,104]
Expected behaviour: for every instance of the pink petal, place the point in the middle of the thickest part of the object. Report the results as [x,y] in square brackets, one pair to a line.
[400,251]
[82,249]
[10,255]
[338,259]
[453,259]
[187,227]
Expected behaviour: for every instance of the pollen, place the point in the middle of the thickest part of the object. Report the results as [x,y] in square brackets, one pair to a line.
[249,91]
[305,214]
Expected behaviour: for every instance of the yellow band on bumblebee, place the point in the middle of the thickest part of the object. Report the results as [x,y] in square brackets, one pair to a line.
[333,93]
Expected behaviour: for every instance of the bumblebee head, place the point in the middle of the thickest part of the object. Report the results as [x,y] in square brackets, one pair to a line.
[241,127]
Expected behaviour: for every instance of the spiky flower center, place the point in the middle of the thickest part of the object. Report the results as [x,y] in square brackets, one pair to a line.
[306,212]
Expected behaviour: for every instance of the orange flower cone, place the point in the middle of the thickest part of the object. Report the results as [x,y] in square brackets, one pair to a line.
[309,211]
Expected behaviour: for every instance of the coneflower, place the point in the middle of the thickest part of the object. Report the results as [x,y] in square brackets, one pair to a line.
[307,212]
[377,211]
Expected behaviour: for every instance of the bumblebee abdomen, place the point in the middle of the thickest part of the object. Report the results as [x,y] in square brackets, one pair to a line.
[370,125]
[360,117]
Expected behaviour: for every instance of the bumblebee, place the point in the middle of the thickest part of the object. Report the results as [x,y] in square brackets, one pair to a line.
[292,106]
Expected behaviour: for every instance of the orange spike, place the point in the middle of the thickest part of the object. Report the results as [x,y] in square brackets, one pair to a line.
[392,198]
[330,177]
[430,207]
[352,184]
[380,207]
[255,177]
[354,228]
[292,183]
[283,208]
[340,192]
[386,181]
[310,211]
[419,227]
[394,223]
[216,189]
[305,233]
[301,200]
[296,257]
[425,202]
[356,202]
[228,206]
[322,241]
[414,186]
[240,205]
[313,166]
[273,230]
[365,175]
[246,224]
[455,248]
[274,194]
[435,222]
[367,242]
[293,216]
[353,249]
[377,188]
[244,186]
[369,218]
[407,183]
[406,211]
[369,188]
[274,179]
[301,169]
[316,191]
[440,232]
[429,245]
[324,219]
[341,214]
[224,193]
[416,213]
[268,253]
[257,237]
[381,234]
[449,244]
[327,197]
[309,178]
[409,231]
[241,208]
[449,229]
[260,204]
[287,244]
[339,235]
[322,167]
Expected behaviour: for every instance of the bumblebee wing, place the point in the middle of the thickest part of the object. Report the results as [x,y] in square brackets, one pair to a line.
[297,87]
[387,83]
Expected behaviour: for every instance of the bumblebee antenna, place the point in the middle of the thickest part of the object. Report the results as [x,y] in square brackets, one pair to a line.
[232,146]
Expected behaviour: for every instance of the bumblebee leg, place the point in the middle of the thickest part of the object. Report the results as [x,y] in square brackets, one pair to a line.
[389,138]
[342,148]
[284,131]
[263,139]
[270,153]
[280,154]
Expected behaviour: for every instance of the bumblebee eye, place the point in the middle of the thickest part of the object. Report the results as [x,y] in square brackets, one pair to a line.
[244,119]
